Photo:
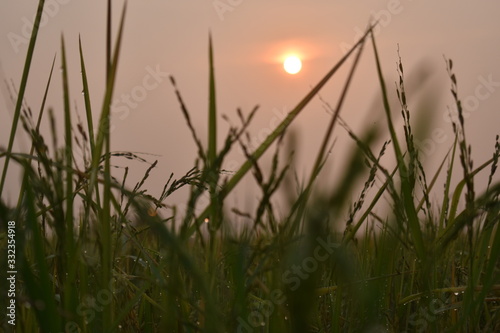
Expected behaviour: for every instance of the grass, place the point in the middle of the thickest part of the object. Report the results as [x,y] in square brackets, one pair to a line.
[94,255]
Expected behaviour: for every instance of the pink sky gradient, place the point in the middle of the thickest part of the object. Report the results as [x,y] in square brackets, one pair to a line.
[250,39]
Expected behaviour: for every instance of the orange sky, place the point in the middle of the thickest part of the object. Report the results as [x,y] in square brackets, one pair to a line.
[250,41]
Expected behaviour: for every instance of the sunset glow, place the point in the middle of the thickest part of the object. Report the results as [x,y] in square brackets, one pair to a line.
[292,65]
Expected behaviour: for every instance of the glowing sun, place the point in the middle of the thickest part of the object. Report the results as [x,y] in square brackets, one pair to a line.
[292,65]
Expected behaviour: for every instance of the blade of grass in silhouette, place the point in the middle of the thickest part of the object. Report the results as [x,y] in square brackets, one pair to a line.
[44,100]
[68,151]
[446,197]
[490,278]
[90,128]
[69,264]
[22,89]
[458,222]
[103,127]
[409,205]
[185,113]
[278,132]
[210,163]
[212,109]
[103,145]
[86,97]
[320,157]
[39,286]
[109,26]
[485,245]
[37,129]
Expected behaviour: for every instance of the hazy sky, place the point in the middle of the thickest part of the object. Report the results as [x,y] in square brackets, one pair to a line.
[250,39]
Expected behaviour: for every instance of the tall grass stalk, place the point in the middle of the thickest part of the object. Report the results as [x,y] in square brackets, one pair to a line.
[22,89]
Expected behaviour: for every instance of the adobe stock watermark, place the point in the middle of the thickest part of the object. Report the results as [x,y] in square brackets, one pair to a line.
[383,16]
[484,90]
[90,306]
[222,7]
[50,10]
[420,320]
[121,106]
[470,104]
[292,278]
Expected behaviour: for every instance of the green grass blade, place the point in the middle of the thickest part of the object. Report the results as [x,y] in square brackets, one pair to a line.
[106,237]
[103,137]
[68,152]
[409,205]
[90,127]
[22,89]
[457,222]
[44,100]
[108,41]
[212,110]
[40,288]
[70,297]
[446,199]
[86,97]
[333,121]
[103,128]
[210,164]
[490,278]
[472,307]
[458,189]
[37,129]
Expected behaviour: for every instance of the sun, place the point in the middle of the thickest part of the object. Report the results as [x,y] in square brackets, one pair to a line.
[292,65]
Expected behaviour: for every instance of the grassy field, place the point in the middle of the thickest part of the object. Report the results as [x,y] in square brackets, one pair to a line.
[95,255]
